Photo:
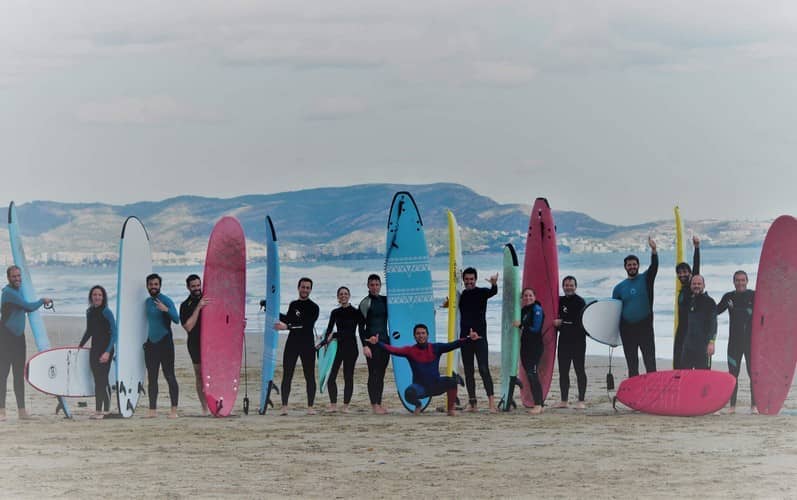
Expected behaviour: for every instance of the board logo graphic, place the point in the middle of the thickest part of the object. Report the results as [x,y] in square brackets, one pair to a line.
[52,372]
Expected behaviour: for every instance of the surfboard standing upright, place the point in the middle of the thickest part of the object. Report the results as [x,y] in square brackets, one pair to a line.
[29,292]
[224,285]
[135,263]
[510,335]
[773,349]
[270,335]
[454,291]
[408,276]
[541,272]
[679,257]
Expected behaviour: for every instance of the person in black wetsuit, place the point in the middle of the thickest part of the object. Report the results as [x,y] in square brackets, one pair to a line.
[572,342]
[373,309]
[190,310]
[424,358]
[636,320]
[101,329]
[12,339]
[739,304]
[343,323]
[701,329]
[684,273]
[300,321]
[472,310]
[532,318]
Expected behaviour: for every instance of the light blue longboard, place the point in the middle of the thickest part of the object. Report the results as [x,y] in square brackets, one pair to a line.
[326,357]
[510,338]
[29,293]
[270,334]
[408,276]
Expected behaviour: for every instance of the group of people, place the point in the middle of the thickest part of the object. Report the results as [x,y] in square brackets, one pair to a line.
[367,325]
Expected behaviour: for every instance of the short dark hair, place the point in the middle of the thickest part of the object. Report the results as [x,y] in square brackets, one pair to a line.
[374,277]
[304,278]
[683,265]
[192,277]
[12,268]
[419,325]
[470,270]
[630,257]
[343,288]
[740,272]
[104,295]
[568,277]
[154,276]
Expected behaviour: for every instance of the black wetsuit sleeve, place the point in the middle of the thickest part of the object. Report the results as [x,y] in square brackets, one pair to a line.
[493,291]
[651,276]
[86,335]
[331,324]
[723,304]
[696,261]
[441,348]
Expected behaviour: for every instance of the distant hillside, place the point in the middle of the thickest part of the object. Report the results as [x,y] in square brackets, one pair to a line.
[344,222]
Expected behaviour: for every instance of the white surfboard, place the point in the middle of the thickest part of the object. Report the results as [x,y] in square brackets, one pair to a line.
[601,320]
[63,371]
[135,263]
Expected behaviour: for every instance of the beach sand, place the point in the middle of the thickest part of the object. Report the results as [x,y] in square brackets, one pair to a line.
[564,453]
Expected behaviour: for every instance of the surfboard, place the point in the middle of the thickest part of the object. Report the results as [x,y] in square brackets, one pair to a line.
[408,277]
[326,356]
[454,291]
[28,291]
[135,263]
[224,284]
[774,339]
[270,334]
[681,393]
[62,371]
[601,320]
[541,272]
[679,257]
[510,334]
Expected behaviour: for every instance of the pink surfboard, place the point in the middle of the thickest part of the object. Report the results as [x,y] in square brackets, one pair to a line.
[222,328]
[678,393]
[541,272]
[773,347]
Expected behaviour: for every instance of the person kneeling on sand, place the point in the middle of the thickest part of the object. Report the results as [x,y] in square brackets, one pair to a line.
[424,358]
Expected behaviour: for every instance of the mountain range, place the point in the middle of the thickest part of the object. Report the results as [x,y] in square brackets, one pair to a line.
[340,222]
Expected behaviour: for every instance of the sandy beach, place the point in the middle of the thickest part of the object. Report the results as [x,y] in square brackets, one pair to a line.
[564,453]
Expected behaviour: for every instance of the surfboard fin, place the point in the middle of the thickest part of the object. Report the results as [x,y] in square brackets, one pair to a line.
[141,388]
[219,405]
[130,406]
[246,406]
[609,381]
[122,388]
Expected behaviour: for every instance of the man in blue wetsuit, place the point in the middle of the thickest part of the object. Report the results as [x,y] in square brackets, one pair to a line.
[12,338]
[159,347]
[636,323]
[424,358]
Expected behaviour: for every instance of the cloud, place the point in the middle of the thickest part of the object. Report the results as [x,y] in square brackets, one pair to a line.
[151,110]
[336,108]
[503,73]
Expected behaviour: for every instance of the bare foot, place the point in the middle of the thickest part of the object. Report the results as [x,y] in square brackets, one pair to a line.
[379,410]
[452,413]
[753,410]
[731,410]
[24,415]
[471,408]
[151,414]
[97,416]
[581,405]
[205,411]
[310,410]
[332,408]
[284,410]
[561,404]
[173,413]
[535,410]
[3,415]
[345,409]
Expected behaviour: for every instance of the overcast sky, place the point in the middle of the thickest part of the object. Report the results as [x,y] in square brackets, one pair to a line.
[619,110]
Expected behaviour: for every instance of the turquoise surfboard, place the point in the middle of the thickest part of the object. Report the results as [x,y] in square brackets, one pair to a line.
[326,357]
[270,334]
[29,292]
[408,276]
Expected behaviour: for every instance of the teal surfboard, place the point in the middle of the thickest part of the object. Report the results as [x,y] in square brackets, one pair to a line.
[270,334]
[510,338]
[408,276]
[29,292]
[326,357]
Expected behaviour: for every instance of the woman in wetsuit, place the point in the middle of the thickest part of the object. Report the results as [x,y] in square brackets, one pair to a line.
[101,329]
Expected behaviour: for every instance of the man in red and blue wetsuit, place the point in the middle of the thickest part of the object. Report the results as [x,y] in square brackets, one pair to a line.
[424,358]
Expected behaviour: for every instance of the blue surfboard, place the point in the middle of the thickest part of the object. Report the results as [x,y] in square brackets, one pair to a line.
[270,334]
[29,292]
[408,276]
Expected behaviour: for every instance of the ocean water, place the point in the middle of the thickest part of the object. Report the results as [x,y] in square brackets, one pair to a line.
[597,274]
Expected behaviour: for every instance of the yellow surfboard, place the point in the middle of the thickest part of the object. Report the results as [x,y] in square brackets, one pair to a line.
[679,257]
[454,290]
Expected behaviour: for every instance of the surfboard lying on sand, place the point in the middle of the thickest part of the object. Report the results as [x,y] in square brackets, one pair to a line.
[270,334]
[28,291]
[63,371]
[510,334]
[541,272]
[774,336]
[601,320]
[135,263]
[221,344]
[408,276]
[680,393]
